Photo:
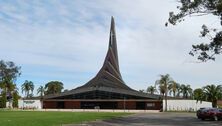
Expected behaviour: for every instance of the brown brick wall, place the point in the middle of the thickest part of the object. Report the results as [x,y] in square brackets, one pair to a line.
[69,105]
[128,105]
[72,104]
[120,105]
[49,104]
[77,104]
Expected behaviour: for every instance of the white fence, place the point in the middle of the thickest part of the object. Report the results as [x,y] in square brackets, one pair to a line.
[185,105]
[29,104]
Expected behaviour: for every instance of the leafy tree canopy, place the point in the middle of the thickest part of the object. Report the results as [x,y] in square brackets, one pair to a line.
[53,87]
[204,51]
[9,71]
[199,95]
[8,75]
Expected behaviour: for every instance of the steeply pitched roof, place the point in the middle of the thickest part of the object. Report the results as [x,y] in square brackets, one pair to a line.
[109,77]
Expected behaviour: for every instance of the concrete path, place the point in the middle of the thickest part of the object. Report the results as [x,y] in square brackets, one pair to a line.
[154,119]
[97,110]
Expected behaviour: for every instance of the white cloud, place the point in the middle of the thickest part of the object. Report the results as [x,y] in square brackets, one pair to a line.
[71,37]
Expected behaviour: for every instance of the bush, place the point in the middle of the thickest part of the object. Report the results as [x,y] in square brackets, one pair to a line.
[3,100]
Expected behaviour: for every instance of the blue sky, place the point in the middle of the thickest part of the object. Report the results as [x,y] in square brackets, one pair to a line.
[67,40]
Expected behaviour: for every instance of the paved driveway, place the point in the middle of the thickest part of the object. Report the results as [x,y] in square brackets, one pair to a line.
[155,119]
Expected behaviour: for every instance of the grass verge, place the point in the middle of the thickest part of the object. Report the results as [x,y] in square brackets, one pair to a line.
[35,118]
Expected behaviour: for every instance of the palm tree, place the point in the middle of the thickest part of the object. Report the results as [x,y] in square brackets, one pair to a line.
[164,82]
[41,91]
[151,89]
[213,93]
[28,86]
[174,88]
[186,90]
[198,94]
[53,87]
[162,90]
[141,90]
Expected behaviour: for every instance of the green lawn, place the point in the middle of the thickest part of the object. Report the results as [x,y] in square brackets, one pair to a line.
[35,118]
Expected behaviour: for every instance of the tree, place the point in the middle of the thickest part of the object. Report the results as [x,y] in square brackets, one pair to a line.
[8,75]
[213,93]
[15,99]
[41,91]
[9,71]
[66,90]
[141,90]
[198,94]
[205,51]
[3,100]
[174,88]
[164,82]
[186,90]
[151,89]
[162,90]
[8,94]
[28,86]
[53,87]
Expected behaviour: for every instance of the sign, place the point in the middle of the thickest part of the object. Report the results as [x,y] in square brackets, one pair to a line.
[29,102]
[150,104]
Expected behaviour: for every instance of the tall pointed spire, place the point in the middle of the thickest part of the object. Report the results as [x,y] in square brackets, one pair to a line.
[112,39]
[113,46]
[109,75]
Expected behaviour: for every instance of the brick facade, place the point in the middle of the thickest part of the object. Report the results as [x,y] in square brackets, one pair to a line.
[128,104]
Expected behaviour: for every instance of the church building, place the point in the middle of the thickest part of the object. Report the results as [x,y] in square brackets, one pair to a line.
[106,90]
